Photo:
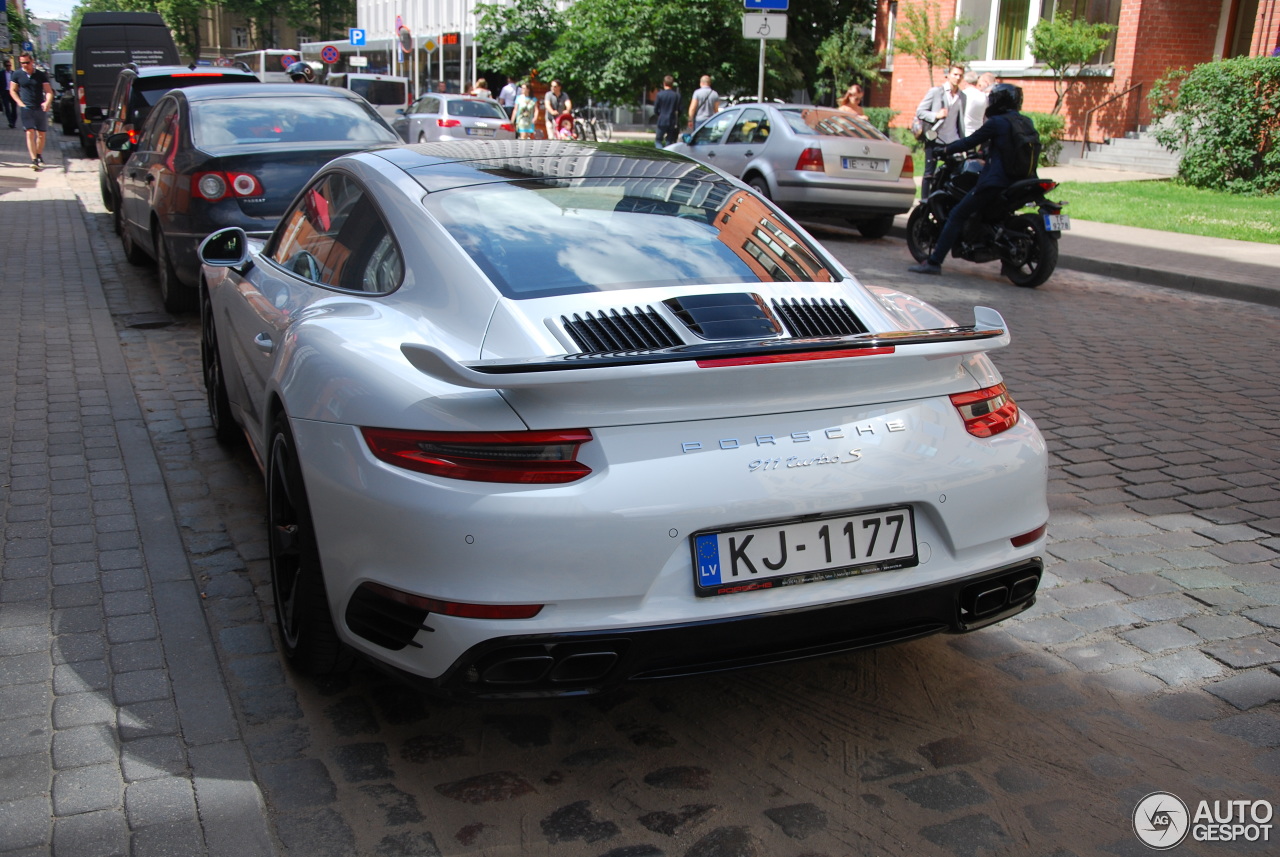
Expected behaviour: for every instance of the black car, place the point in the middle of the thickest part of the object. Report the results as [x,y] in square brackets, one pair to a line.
[228,155]
[138,88]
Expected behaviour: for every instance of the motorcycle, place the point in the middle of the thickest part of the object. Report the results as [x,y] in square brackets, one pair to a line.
[1026,244]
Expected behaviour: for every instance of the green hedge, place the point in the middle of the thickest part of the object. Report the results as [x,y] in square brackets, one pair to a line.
[1050,128]
[880,117]
[1225,120]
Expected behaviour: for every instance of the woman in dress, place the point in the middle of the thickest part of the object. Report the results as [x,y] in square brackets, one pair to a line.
[481,89]
[525,111]
[851,102]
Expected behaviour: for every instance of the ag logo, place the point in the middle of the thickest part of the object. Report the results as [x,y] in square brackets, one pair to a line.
[1161,820]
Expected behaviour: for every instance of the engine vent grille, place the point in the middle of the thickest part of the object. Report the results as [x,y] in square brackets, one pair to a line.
[806,317]
[620,330]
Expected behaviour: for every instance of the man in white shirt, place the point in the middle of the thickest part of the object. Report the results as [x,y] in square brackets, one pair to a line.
[976,88]
[507,97]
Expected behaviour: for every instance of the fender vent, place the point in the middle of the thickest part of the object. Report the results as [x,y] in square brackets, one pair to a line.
[806,317]
[620,330]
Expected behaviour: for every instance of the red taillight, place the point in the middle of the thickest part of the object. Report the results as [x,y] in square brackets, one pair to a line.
[988,411]
[1028,538]
[507,126]
[133,137]
[80,96]
[214,186]
[1046,185]
[455,608]
[522,457]
[811,159]
[448,123]
[908,168]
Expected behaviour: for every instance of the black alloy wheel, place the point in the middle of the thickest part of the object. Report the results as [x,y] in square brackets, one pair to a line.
[923,230]
[225,430]
[1035,252]
[177,298]
[307,635]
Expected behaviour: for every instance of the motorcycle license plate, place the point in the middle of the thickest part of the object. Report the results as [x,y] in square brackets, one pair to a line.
[1057,222]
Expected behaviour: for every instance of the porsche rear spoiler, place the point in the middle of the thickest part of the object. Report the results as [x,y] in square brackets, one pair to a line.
[987,333]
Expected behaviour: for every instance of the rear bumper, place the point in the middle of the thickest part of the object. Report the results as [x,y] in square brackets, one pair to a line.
[800,192]
[588,663]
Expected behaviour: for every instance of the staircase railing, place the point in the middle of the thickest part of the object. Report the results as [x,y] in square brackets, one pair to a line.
[1088,114]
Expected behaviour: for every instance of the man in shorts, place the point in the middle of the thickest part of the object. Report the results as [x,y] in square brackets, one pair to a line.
[30,87]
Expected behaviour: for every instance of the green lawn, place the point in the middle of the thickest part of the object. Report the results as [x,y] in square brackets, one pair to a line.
[1172,207]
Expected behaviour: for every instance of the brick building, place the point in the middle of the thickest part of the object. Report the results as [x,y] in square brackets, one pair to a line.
[1151,37]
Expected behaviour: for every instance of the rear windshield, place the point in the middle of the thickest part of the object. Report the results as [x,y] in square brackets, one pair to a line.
[568,236]
[474,108]
[379,91]
[829,123]
[278,119]
[152,89]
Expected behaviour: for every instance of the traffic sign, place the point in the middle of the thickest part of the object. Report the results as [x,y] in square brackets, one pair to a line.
[356,36]
[287,60]
[329,54]
[771,5]
[357,62]
[406,40]
[756,26]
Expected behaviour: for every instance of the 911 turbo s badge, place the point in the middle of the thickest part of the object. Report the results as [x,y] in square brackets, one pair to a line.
[858,430]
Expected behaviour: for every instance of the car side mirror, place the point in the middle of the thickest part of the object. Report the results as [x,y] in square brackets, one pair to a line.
[686,138]
[119,143]
[399,111]
[226,248]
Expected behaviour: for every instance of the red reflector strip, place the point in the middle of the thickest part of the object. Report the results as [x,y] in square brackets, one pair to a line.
[1028,538]
[528,457]
[456,608]
[794,358]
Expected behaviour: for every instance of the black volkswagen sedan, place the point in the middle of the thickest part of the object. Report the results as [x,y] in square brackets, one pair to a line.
[228,155]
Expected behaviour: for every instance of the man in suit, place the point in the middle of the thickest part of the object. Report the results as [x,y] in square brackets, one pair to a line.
[942,112]
[10,106]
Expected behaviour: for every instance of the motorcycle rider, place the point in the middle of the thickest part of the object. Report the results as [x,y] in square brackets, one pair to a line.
[301,72]
[1003,103]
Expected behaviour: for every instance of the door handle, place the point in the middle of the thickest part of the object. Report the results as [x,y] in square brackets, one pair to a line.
[748,153]
[264,343]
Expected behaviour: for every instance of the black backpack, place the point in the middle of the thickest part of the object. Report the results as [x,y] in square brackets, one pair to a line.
[1024,154]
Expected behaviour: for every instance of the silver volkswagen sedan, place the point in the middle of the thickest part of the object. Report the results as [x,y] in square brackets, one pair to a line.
[811,161]
[445,116]
[538,418]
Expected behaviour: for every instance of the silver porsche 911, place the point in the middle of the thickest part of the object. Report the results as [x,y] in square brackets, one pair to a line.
[542,418]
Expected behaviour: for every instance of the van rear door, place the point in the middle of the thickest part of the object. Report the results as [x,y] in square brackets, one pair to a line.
[106,43]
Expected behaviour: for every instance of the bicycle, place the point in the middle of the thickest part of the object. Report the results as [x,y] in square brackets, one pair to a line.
[592,123]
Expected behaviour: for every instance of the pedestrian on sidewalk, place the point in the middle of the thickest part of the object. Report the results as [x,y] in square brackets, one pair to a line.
[942,112]
[704,104]
[30,89]
[666,109]
[10,106]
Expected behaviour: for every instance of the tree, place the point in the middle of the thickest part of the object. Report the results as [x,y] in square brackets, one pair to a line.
[184,17]
[1064,43]
[923,34]
[321,19]
[848,55]
[517,39]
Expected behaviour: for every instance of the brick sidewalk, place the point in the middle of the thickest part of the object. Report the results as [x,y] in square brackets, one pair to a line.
[116,732]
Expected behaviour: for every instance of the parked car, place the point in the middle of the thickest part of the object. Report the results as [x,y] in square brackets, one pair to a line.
[105,43]
[441,116]
[137,89]
[811,161]
[539,418]
[228,155]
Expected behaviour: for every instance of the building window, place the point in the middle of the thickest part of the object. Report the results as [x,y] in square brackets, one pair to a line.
[891,33]
[239,37]
[1006,25]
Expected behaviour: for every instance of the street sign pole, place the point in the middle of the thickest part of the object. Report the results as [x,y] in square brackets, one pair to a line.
[760,82]
[763,27]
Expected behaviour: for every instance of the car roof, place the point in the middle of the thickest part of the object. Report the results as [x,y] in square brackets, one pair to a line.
[218,91]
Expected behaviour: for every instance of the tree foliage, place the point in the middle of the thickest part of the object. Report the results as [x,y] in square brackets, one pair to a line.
[848,56]
[1064,43]
[1226,122]
[517,39]
[923,33]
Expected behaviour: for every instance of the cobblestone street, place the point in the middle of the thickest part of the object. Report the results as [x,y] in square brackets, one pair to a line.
[1150,662]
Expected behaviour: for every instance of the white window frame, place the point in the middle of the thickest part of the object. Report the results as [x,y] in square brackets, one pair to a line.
[991,28]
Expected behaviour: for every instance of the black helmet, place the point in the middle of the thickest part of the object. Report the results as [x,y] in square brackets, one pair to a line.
[300,72]
[1002,98]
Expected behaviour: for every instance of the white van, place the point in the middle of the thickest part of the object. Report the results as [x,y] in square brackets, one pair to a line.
[269,65]
[385,92]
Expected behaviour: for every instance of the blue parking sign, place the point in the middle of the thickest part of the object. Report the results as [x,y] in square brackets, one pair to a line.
[357,37]
[770,5]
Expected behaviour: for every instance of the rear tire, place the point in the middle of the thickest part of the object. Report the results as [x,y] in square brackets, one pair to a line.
[225,430]
[922,232]
[580,130]
[1037,255]
[760,186]
[308,639]
[104,186]
[177,297]
[875,227]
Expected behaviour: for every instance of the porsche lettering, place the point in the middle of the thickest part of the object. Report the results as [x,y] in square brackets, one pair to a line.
[770,440]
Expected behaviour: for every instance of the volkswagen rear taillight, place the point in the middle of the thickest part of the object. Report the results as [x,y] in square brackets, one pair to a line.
[214,186]
[988,411]
[811,159]
[521,457]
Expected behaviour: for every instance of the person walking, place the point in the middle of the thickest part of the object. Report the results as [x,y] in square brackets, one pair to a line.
[666,109]
[10,106]
[556,103]
[525,113]
[1003,103]
[704,104]
[507,96]
[31,91]
[942,112]
[851,101]
[975,90]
